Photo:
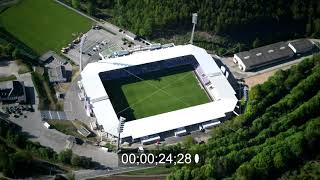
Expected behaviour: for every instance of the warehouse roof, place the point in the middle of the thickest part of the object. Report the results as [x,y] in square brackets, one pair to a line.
[265,55]
[11,89]
[107,117]
[301,45]
[57,74]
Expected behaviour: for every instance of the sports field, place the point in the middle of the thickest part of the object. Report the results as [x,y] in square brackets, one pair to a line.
[43,24]
[157,93]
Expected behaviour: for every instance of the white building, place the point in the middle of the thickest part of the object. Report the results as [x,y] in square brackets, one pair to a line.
[216,84]
[263,56]
[271,54]
[301,46]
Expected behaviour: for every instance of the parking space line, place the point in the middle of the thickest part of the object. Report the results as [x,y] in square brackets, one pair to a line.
[50,114]
[58,115]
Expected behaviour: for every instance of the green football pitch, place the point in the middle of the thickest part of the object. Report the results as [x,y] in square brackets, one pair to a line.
[155,93]
[43,24]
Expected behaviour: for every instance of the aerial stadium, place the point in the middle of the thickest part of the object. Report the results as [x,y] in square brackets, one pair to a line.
[161,91]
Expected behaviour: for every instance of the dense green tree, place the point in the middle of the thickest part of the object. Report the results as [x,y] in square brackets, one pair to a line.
[76,160]
[65,156]
[20,165]
[256,43]
[16,54]
[80,161]
[91,8]
[316,28]
[3,157]
[188,141]
[9,48]
[76,4]
[308,29]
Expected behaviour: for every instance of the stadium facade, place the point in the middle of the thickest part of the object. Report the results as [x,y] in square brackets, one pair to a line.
[97,102]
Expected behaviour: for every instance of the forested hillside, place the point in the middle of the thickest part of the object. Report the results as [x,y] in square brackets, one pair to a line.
[277,137]
[223,16]
[233,25]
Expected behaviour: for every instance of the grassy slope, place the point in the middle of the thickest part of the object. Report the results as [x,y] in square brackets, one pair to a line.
[43,24]
[144,97]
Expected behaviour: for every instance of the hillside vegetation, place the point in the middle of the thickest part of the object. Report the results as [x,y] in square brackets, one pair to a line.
[226,26]
[277,137]
[229,16]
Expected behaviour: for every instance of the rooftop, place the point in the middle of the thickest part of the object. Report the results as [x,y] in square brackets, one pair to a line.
[131,34]
[106,116]
[57,74]
[301,45]
[265,54]
[6,85]
[11,89]
[50,58]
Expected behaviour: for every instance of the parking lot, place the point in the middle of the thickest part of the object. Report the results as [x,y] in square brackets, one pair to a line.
[96,41]
[17,111]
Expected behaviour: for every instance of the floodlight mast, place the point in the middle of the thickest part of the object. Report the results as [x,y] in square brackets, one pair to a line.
[120,130]
[83,39]
[194,22]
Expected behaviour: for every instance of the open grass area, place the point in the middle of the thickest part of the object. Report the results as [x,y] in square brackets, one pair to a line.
[69,127]
[43,24]
[64,126]
[158,92]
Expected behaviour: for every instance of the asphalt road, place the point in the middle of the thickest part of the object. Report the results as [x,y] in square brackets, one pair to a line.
[85,174]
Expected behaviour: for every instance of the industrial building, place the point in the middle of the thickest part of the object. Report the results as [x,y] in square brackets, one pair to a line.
[12,91]
[271,54]
[301,46]
[150,129]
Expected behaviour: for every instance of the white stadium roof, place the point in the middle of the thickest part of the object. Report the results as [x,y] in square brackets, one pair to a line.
[107,117]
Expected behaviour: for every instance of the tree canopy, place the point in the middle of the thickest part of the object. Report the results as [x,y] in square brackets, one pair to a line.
[277,137]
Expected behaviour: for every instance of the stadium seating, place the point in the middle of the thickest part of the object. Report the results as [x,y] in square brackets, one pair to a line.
[203,78]
[152,67]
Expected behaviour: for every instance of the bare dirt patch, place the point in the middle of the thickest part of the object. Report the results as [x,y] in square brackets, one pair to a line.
[258,79]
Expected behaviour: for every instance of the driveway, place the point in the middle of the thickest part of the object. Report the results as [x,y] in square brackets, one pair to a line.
[73,107]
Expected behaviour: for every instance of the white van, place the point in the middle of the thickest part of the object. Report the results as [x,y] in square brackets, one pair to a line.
[47,125]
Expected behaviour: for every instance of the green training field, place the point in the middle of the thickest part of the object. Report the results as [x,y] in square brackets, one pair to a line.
[43,24]
[164,91]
